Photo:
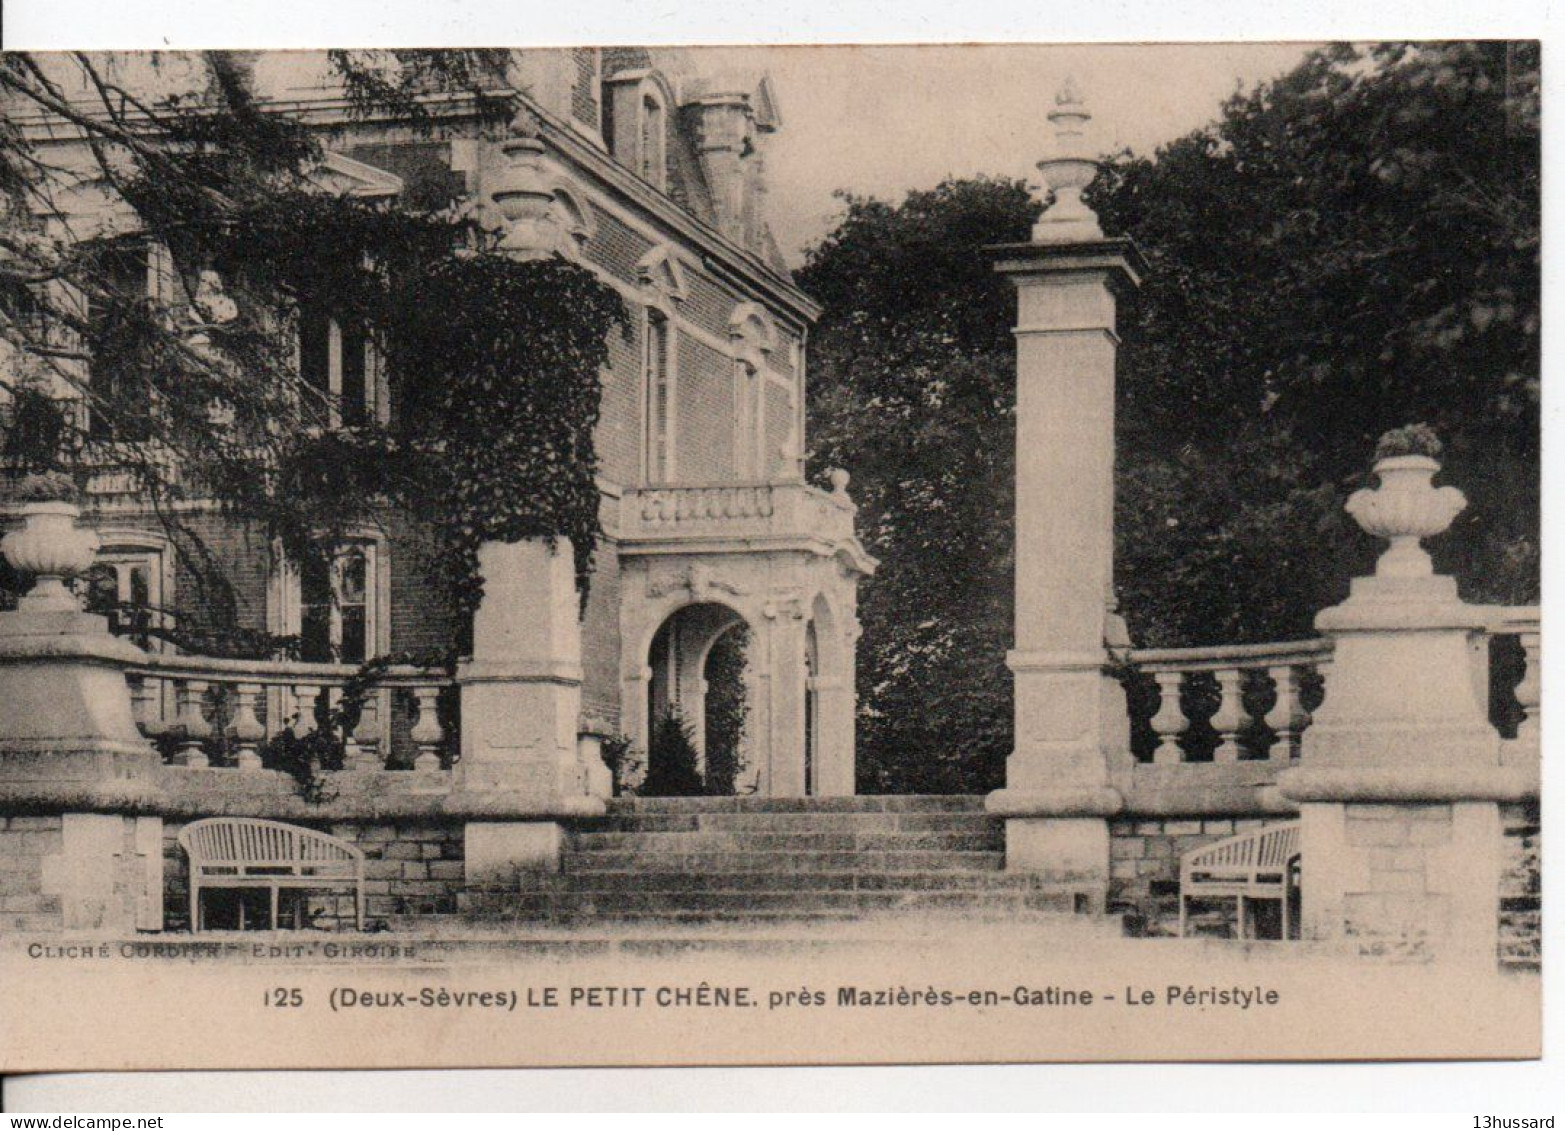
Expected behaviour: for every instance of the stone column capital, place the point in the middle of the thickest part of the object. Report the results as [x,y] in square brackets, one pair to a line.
[1115,259]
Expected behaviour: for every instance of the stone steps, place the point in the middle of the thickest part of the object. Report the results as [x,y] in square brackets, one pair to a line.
[802,823]
[899,803]
[744,903]
[775,861]
[718,841]
[777,881]
[844,861]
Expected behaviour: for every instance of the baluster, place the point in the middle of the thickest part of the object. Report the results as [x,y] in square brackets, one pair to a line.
[192,724]
[248,731]
[364,744]
[427,734]
[146,704]
[304,698]
[1169,722]
[1530,689]
[1287,716]
[1230,717]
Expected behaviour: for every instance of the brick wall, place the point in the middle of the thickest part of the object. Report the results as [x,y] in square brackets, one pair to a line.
[704,437]
[1144,871]
[779,425]
[24,844]
[1521,906]
[410,869]
[708,304]
[615,246]
[619,421]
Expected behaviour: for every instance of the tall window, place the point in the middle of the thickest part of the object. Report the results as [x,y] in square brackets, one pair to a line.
[332,608]
[749,421]
[337,360]
[118,400]
[654,162]
[126,585]
[659,406]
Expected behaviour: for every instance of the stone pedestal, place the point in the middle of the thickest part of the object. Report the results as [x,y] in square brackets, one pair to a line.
[1400,776]
[1068,282]
[107,874]
[497,853]
[521,706]
[67,732]
[62,683]
[521,689]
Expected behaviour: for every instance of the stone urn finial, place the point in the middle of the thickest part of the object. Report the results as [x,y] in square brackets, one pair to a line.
[50,546]
[1070,170]
[1406,507]
[524,196]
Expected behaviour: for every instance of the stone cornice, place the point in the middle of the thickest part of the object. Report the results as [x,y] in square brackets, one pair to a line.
[1117,256]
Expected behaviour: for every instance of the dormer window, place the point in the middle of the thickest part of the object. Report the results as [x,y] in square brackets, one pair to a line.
[654,137]
[636,123]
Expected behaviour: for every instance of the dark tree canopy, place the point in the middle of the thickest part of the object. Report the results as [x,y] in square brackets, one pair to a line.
[198,386]
[1350,248]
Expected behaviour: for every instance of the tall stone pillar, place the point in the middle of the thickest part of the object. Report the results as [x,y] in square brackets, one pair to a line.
[521,704]
[785,689]
[1069,279]
[1400,776]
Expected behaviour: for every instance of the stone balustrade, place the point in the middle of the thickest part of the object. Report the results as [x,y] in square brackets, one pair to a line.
[200,707]
[752,511]
[1251,702]
[1514,708]
[1250,697]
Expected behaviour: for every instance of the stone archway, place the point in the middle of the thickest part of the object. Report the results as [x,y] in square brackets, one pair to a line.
[681,704]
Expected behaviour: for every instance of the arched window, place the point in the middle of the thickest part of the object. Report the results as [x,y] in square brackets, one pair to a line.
[638,108]
[663,284]
[751,332]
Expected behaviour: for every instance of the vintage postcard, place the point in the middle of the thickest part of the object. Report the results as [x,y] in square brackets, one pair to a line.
[795,555]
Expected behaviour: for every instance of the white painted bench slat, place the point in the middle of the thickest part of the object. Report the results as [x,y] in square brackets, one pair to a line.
[1253,865]
[247,852]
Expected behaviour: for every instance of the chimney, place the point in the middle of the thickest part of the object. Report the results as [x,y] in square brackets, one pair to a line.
[723,130]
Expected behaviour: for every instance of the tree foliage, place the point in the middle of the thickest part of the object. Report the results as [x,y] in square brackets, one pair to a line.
[492,365]
[1350,248]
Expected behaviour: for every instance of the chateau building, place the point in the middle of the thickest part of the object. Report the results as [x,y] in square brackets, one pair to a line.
[651,175]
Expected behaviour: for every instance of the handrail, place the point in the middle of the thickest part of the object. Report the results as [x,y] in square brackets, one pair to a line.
[1212,657]
[203,667]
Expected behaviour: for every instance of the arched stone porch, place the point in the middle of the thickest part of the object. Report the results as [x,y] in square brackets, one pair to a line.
[798,600]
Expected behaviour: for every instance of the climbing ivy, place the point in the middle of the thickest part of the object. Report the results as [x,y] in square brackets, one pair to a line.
[492,365]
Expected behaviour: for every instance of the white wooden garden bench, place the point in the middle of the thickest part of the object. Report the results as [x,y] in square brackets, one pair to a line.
[1259,864]
[246,852]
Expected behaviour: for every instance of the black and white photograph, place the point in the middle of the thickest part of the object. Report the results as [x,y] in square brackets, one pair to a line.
[770,555]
